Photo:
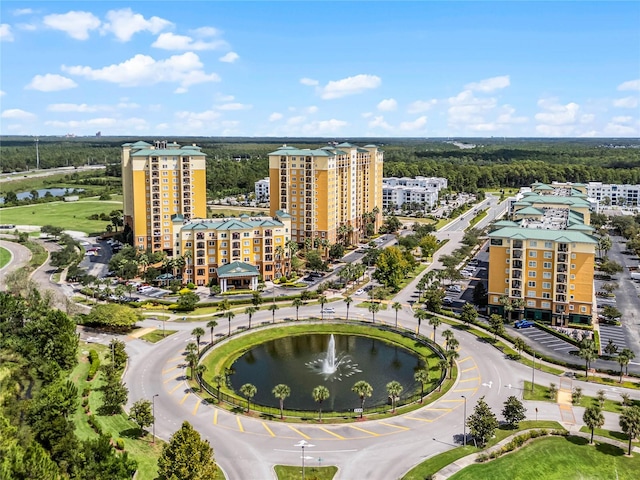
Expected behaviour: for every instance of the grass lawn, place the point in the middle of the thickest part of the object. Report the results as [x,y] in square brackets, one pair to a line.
[541,393]
[438,462]
[5,256]
[557,458]
[365,304]
[284,472]
[117,426]
[72,215]
[612,434]
[157,335]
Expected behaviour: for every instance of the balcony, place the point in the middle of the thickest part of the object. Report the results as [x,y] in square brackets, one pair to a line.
[200,244]
[561,289]
[562,257]
[516,293]
[517,244]
[516,284]
[516,254]
[516,264]
[562,268]
[561,298]
[561,278]
[563,247]
[200,253]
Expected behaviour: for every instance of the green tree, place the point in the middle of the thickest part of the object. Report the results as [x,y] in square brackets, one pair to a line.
[314,260]
[141,414]
[322,300]
[117,353]
[320,394]
[297,302]
[112,316]
[394,389]
[391,268]
[211,324]
[588,351]
[609,267]
[611,313]
[519,345]
[480,295]
[114,396]
[187,301]
[593,418]
[624,357]
[186,457]
[249,391]
[198,333]
[422,376]
[630,423]
[469,314]
[428,245]
[435,322]
[433,298]
[611,348]
[348,301]
[496,325]
[373,309]
[482,422]
[250,311]
[420,315]
[452,356]
[513,411]
[281,392]
[273,307]
[192,359]
[397,306]
[230,316]
[363,390]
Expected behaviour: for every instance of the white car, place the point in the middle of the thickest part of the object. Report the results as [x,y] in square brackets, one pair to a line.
[328,310]
[360,292]
[454,288]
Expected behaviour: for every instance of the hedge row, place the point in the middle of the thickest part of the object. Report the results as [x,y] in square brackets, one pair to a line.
[95,364]
[518,442]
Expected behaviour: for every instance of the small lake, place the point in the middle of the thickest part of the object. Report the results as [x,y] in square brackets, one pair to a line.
[55,192]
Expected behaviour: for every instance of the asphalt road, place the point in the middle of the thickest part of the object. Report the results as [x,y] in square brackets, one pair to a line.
[20,256]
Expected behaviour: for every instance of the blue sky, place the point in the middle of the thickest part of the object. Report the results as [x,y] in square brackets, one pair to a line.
[334,69]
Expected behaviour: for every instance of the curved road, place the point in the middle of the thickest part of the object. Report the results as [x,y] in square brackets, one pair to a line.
[20,256]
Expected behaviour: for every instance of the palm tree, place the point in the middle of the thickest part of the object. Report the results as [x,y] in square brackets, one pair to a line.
[348,301]
[191,347]
[229,316]
[219,380]
[422,376]
[248,390]
[447,335]
[435,322]
[322,299]
[224,305]
[443,364]
[250,311]
[297,302]
[143,260]
[519,344]
[519,304]
[452,355]
[394,389]
[279,251]
[281,391]
[420,315]
[453,344]
[211,324]
[397,306]
[200,369]
[363,390]
[588,352]
[273,307]
[628,356]
[192,360]
[630,423]
[593,418]
[374,308]
[198,332]
[507,307]
[256,299]
[320,394]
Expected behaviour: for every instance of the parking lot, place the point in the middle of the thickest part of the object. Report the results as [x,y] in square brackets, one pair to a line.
[544,339]
[614,333]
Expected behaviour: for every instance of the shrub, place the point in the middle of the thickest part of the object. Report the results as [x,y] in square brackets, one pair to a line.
[85,391]
[85,402]
[120,444]
[94,424]
[95,365]
[191,286]
[483,457]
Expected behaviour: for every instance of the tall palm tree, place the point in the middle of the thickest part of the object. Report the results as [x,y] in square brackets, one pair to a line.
[200,369]
[394,389]
[191,348]
[192,360]
[420,315]
[249,391]
[452,355]
[198,333]
[443,364]
[593,418]
[143,260]
[348,301]
[422,376]
[297,302]
[447,335]
[629,355]
[588,352]
[397,306]
[279,251]
[435,322]
[211,324]
[320,394]
[374,308]
[273,307]
[322,299]
[250,311]
[281,391]
[219,380]
[229,316]
[363,390]
[630,423]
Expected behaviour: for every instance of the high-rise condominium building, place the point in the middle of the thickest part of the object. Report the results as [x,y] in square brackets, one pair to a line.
[541,261]
[159,181]
[330,192]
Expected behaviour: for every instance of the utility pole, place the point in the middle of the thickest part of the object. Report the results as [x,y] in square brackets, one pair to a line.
[37,154]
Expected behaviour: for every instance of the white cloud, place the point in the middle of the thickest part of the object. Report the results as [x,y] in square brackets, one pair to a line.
[296,120]
[16,113]
[420,106]
[625,119]
[626,102]
[379,122]
[124,24]
[115,125]
[556,130]
[366,114]
[184,69]
[218,97]
[617,129]
[312,109]
[388,105]
[206,32]
[418,124]
[465,108]
[507,116]
[51,83]
[323,127]
[587,118]
[557,114]
[5,33]
[74,23]
[230,57]
[275,116]
[309,82]
[2,93]
[22,11]
[27,27]
[171,41]
[72,107]
[489,84]
[630,85]
[234,106]
[349,86]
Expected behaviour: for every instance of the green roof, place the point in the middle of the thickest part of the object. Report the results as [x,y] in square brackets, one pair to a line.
[566,236]
[581,227]
[237,269]
[544,187]
[282,214]
[529,211]
[232,224]
[173,152]
[292,151]
[577,201]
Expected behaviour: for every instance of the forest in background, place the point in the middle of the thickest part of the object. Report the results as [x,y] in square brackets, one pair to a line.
[235,164]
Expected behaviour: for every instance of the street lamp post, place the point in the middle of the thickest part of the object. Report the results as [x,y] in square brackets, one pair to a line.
[302,444]
[464,424]
[153,414]
[533,371]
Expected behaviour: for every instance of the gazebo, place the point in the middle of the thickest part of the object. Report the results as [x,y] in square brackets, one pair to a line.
[239,275]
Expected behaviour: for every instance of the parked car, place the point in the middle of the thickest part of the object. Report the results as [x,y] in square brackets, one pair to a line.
[328,310]
[360,292]
[447,301]
[454,288]
[523,324]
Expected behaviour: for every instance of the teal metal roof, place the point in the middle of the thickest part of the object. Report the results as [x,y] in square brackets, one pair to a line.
[565,236]
[529,211]
[232,224]
[581,227]
[543,186]
[282,214]
[174,152]
[237,269]
[292,151]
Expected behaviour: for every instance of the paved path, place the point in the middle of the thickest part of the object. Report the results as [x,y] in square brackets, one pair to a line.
[20,256]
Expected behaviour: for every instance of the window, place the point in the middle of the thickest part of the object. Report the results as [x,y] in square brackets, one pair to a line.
[573,256]
[546,284]
[548,254]
[583,309]
[532,274]
[573,277]
[533,243]
[546,274]
[546,295]
[531,303]
[572,287]
[531,284]
[506,280]
[224,244]
[531,293]
[548,244]
[570,307]
[508,260]
[188,244]
[533,254]
[573,266]
[545,305]
[495,299]
[546,264]
[533,264]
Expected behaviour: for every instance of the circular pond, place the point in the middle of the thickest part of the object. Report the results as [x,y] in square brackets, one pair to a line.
[336,361]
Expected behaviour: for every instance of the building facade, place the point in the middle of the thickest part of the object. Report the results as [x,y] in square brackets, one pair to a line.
[161,180]
[329,192]
[541,262]
[233,251]
[614,194]
[261,189]
[419,192]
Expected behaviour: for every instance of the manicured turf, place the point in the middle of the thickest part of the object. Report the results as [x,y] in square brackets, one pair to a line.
[157,335]
[71,215]
[285,472]
[557,458]
[5,256]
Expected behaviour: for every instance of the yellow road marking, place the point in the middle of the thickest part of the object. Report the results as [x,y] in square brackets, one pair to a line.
[465,389]
[169,370]
[365,431]
[215,416]
[340,437]
[266,427]
[240,427]
[195,409]
[419,419]
[465,359]
[468,369]
[394,426]
[307,437]
[175,358]
[453,400]
[184,398]
[172,378]
[175,388]
[440,409]
[469,379]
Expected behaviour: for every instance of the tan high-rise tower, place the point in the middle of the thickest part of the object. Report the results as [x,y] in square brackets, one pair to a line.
[159,181]
[329,192]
